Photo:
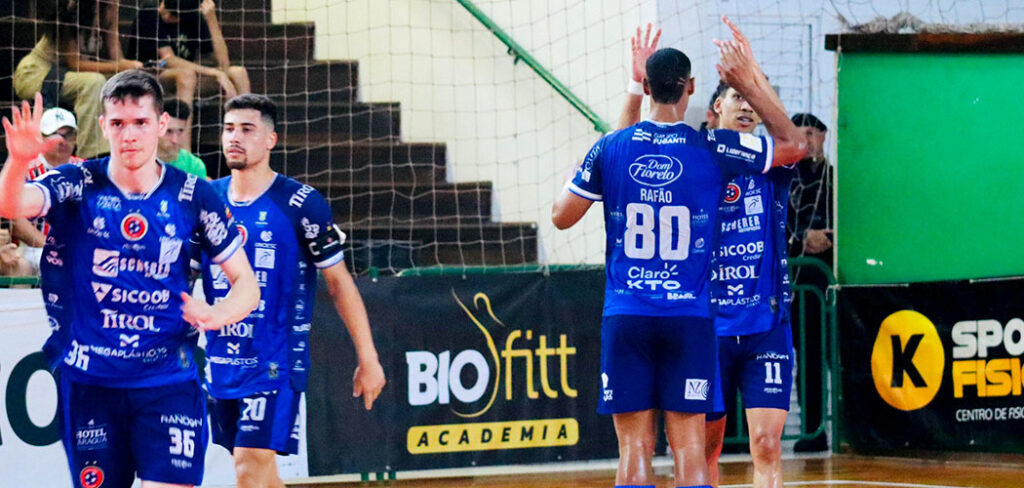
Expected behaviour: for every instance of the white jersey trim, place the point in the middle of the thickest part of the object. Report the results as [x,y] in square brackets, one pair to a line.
[331,261]
[47,202]
[769,153]
[581,192]
[226,253]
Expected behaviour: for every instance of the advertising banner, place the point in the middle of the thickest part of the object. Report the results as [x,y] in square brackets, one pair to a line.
[482,370]
[934,366]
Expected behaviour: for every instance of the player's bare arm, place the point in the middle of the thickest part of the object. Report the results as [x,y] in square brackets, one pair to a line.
[739,69]
[237,305]
[24,144]
[368,380]
[641,49]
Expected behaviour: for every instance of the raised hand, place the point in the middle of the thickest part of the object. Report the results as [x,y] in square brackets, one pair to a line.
[368,381]
[642,49]
[24,140]
[736,68]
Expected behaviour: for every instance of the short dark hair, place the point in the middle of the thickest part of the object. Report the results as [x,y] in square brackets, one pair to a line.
[262,103]
[178,7]
[719,91]
[177,109]
[133,84]
[668,72]
[808,120]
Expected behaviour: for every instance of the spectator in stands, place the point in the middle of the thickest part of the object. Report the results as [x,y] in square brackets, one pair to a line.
[170,148]
[59,124]
[176,38]
[810,234]
[89,48]
[12,263]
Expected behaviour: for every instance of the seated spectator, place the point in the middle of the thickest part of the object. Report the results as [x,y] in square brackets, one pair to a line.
[89,48]
[176,37]
[60,124]
[12,263]
[170,149]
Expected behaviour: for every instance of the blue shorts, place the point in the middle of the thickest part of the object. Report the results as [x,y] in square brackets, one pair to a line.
[264,420]
[666,363]
[760,366]
[110,434]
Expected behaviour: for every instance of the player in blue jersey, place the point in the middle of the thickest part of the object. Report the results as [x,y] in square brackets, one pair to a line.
[752,291]
[259,366]
[114,273]
[661,182]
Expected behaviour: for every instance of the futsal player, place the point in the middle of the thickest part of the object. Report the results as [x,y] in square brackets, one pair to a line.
[752,293]
[114,272]
[661,182]
[259,366]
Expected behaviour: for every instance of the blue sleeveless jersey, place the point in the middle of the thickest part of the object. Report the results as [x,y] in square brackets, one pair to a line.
[113,269]
[661,184]
[750,276]
[288,233]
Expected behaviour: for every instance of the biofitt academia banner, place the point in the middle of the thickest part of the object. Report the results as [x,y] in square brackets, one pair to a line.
[934,366]
[482,370]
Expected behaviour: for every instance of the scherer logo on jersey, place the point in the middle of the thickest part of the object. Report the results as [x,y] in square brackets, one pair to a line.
[732,193]
[655,169]
[109,264]
[134,226]
[488,370]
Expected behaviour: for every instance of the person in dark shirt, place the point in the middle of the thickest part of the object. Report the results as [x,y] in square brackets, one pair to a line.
[177,39]
[809,230]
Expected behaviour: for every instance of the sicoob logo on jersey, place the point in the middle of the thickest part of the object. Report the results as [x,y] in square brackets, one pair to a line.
[134,226]
[91,477]
[732,193]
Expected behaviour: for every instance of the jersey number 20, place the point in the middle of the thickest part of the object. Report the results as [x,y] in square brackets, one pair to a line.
[673,232]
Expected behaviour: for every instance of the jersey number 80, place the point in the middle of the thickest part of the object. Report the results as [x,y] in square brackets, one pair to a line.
[673,232]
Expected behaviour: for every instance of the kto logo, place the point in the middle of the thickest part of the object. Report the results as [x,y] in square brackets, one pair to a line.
[438,377]
[907,360]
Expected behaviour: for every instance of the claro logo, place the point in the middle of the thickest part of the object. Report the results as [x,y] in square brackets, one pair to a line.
[462,378]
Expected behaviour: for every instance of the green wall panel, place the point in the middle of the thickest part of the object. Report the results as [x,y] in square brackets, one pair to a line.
[931,167]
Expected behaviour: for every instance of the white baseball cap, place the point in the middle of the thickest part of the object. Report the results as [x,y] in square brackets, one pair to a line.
[55,118]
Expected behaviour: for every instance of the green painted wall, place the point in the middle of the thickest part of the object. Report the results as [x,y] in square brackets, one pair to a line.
[931,167]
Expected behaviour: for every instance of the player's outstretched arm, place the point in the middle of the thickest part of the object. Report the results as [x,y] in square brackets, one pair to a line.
[641,49]
[368,380]
[739,69]
[240,301]
[24,143]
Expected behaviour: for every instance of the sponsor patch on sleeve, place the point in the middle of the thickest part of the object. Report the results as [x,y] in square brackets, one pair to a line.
[751,142]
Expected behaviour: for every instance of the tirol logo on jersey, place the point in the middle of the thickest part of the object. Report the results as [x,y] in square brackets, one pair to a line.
[134,226]
[109,264]
[732,193]
[655,169]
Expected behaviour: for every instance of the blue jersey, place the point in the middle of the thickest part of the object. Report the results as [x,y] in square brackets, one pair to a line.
[661,184]
[288,233]
[114,267]
[750,275]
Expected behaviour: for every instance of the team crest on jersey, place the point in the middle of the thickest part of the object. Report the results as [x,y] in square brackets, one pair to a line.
[732,193]
[244,233]
[91,477]
[134,226]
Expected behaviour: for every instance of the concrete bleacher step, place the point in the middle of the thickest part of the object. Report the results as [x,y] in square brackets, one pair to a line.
[314,123]
[470,245]
[352,161]
[251,44]
[358,201]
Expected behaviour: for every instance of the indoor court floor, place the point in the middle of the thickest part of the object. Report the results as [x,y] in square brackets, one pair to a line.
[956,471]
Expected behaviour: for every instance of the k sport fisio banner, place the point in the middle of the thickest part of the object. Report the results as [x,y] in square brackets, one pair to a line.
[934,365]
[482,370]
